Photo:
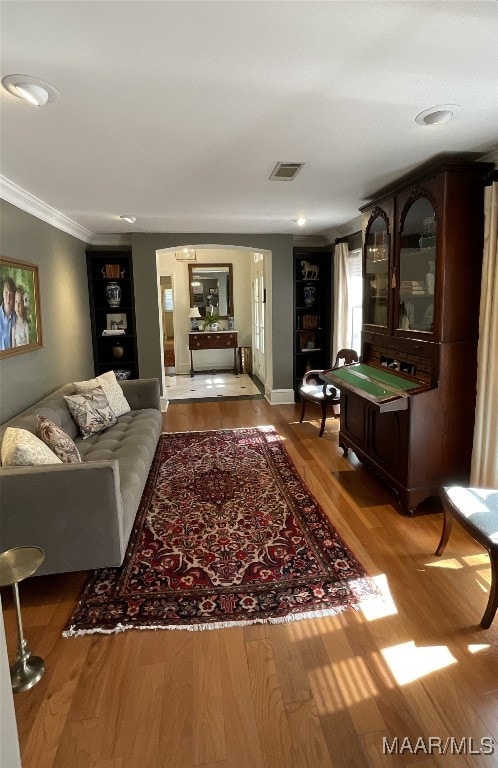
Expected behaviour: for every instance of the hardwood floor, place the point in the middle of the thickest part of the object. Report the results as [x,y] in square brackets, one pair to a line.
[319,693]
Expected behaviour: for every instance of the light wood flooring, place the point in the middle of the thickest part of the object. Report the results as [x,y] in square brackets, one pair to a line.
[319,693]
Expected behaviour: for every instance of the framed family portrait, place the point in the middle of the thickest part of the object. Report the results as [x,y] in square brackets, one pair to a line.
[20,319]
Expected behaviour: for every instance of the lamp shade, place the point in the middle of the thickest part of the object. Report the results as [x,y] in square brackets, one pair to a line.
[194,312]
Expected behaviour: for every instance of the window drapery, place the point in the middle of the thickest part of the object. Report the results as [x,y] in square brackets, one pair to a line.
[341,315]
[347,299]
[484,473]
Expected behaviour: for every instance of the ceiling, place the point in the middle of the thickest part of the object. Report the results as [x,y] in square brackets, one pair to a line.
[177,112]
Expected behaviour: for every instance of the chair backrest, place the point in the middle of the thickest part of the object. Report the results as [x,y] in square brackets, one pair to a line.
[348,356]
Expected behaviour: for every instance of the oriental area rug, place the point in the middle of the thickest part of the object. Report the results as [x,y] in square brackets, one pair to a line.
[227,534]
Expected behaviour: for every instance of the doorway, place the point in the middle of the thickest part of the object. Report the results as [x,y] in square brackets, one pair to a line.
[258,319]
[175,304]
[167,306]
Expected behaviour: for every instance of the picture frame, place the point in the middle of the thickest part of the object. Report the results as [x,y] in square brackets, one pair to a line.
[116,320]
[21,329]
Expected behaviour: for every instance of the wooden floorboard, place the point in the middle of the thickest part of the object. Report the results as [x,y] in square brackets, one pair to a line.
[321,693]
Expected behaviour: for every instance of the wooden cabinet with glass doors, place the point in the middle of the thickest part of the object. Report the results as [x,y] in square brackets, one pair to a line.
[422,258]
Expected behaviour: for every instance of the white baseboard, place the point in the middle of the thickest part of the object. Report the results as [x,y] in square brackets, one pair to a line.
[280,396]
[164,404]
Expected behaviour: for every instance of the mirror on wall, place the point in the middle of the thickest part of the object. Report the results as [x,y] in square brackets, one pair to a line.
[211,289]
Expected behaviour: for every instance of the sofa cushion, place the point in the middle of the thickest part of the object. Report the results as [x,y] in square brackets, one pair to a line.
[91,411]
[112,390]
[21,448]
[132,441]
[57,440]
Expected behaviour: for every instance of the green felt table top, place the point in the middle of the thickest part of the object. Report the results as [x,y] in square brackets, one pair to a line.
[375,382]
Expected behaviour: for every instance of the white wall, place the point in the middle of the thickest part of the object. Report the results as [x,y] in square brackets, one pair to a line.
[241,266]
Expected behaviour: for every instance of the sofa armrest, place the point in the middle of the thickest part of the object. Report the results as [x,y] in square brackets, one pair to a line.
[142,393]
[73,511]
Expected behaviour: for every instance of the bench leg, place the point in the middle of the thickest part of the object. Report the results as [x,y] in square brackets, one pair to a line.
[303,408]
[492,605]
[323,406]
[447,526]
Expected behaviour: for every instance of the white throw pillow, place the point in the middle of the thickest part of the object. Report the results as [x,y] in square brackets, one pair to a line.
[21,448]
[112,391]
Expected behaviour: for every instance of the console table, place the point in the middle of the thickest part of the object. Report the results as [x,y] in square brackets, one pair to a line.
[212,340]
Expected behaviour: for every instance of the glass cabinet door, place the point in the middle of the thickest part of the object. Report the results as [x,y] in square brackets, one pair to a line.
[417,268]
[376,280]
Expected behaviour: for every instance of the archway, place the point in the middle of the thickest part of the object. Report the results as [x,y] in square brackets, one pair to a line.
[172,264]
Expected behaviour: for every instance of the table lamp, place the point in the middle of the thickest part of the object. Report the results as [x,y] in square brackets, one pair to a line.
[194,316]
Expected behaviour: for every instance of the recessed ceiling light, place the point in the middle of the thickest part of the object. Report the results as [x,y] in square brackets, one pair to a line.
[437,115]
[301,221]
[31,89]
[131,219]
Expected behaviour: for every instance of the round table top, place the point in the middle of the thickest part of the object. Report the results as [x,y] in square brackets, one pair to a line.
[18,563]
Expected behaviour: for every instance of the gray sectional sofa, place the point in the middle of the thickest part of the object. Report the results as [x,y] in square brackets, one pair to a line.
[82,514]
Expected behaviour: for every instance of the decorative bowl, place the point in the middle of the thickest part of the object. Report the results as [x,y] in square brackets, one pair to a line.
[122,374]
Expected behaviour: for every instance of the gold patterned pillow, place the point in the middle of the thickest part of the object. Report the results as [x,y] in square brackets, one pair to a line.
[91,411]
[57,440]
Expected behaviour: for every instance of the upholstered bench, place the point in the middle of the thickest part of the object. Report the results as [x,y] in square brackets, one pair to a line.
[476,509]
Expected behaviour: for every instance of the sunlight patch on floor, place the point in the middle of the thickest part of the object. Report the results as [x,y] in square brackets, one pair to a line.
[481,559]
[476,647]
[451,563]
[381,606]
[483,580]
[355,681]
[409,662]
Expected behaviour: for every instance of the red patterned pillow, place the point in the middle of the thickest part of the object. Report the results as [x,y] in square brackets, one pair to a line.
[58,440]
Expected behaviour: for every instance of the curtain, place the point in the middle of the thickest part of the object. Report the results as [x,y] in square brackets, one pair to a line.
[484,473]
[341,315]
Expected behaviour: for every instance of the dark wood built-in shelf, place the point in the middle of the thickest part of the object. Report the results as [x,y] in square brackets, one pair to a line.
[312,319]
[120,262]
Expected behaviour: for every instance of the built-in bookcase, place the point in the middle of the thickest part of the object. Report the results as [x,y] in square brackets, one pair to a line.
[110,275]
[312,275]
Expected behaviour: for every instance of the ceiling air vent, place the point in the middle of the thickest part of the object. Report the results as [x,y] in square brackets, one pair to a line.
[285,171]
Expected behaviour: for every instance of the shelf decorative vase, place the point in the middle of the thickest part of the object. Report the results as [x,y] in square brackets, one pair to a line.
[113,294]
[117,351]
[430,279]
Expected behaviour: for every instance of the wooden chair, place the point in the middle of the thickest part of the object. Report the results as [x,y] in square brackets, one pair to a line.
[315,389]
[476,509]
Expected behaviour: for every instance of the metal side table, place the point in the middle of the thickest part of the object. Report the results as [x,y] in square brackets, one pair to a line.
[16,565]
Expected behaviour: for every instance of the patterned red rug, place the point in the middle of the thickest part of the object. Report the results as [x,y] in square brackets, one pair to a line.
[227,533]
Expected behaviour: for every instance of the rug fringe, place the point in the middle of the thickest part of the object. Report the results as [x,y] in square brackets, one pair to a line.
[71,632]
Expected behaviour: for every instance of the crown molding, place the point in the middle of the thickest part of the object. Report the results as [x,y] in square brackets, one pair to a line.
[491,157]
[111,239]
[343,230]
[27,202]
[309,241]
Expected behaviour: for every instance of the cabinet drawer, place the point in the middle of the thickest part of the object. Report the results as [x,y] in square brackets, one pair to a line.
[212,340]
